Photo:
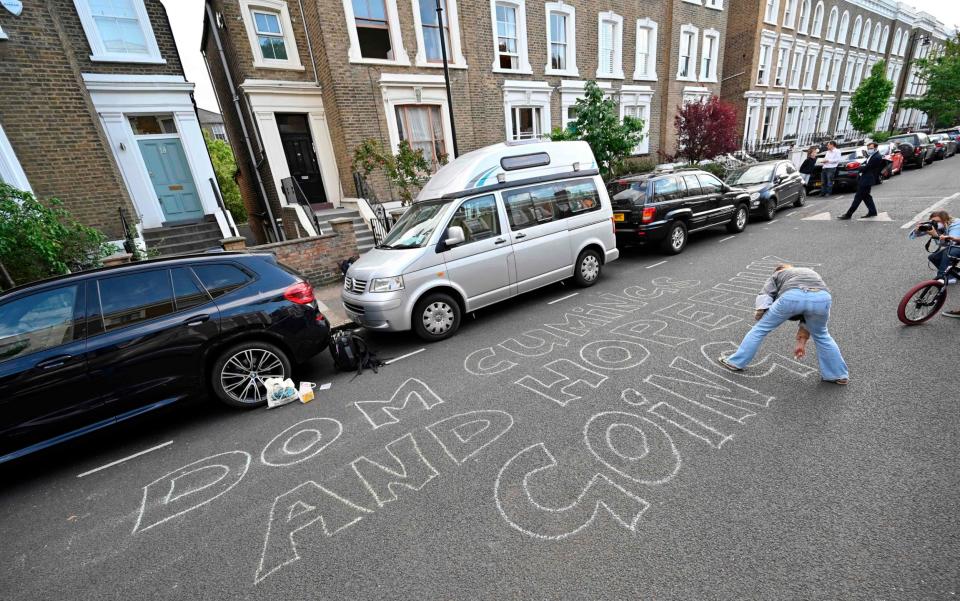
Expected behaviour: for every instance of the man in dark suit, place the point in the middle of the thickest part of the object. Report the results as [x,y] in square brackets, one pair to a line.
[869,175]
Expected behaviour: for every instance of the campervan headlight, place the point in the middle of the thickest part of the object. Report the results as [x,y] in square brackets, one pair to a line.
[387,284]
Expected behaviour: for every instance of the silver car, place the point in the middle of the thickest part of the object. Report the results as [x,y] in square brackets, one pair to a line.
[545,217]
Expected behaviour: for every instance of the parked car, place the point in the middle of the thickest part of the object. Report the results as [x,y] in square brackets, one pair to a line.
[771,185]
[492,224]
[664,208]
[944,145]
[91,349]
[953,132]
[848,172]
[916,147]
[891,153]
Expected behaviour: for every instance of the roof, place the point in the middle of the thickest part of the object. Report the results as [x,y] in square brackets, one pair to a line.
[483,167]
[209,116]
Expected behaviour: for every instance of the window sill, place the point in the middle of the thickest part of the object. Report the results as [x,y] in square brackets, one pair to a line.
[640,77]
[286,66]
[610,76]
[716,8]
[774,23]
[380,61]
[708,80]
[432,65]
[127,58]
[687,78]
[562,72]
[513,71]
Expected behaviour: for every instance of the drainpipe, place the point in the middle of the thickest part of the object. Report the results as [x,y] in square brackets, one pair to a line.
[243,127]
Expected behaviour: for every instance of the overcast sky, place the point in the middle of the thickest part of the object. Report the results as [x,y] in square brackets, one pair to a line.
[186,16]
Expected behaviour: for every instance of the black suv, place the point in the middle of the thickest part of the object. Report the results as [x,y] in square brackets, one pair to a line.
[88,350]
[663,208]
[917,149]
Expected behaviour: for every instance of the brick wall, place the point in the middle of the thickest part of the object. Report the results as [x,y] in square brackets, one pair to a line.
[317,258]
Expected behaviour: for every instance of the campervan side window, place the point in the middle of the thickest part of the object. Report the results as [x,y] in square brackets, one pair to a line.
[543,203]
[479,219]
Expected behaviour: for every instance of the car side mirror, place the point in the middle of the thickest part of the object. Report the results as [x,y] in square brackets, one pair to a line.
[455,236]
[724,188]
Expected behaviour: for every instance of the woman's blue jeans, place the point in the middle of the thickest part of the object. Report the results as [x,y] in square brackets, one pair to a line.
[815,308]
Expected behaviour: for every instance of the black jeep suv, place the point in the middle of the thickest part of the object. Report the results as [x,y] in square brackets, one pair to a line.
[663,208]
[88,350]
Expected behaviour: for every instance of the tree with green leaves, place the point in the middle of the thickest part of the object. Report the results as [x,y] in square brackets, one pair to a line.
[225,167]
[42,239]
[598,124]
[941,74]
[408,170]
[870,99]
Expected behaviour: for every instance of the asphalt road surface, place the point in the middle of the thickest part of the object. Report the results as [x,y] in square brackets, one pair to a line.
[558,447]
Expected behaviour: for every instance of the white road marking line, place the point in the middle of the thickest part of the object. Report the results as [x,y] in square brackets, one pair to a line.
[790,213]
[654,265]
[924,213]
[772,221]
[119,461]
[563,298]
[395,359]
[725,239]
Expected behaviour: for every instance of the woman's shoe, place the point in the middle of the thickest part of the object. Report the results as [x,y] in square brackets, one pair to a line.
[723,361]
[839,382]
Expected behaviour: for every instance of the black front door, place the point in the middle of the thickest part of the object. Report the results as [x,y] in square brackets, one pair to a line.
[301,158]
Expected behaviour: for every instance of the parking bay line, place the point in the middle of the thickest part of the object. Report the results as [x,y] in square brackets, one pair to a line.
[654,265]
[119,461]
[772,221]
[924,213]
[563,298]
[410,354]
[727,238]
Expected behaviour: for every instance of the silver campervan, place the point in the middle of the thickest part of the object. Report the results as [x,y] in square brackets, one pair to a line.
[492,224]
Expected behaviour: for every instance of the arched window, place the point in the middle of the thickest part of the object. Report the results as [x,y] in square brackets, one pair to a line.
[876,38]
[903,43]
[896,42]
[832,24]
[844,26]
[817,20]
[882,44]
[855,34]
[790,14]
[804,21]
[865,40]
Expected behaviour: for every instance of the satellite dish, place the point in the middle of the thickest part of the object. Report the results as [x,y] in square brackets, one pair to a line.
[14,6]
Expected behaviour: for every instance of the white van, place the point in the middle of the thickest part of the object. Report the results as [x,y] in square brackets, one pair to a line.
[492,224]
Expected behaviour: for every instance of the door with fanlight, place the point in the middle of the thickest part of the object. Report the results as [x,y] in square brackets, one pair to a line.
[168,168]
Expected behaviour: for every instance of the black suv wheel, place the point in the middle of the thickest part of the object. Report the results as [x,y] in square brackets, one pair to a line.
[676,239]
[239,372]
[769,209]
[740,218]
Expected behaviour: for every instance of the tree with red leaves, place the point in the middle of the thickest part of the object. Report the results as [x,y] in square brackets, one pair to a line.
[705,129]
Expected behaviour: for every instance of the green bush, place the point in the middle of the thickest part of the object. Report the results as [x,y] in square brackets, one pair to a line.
[225,167]
[40,240]
[634,165]
[714,168]
[880,136]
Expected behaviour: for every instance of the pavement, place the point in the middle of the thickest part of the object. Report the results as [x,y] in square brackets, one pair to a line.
[330,305]
[568,444]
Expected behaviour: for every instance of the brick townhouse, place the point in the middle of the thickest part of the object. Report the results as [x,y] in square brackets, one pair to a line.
[302,82]
[799,62]
[95,110]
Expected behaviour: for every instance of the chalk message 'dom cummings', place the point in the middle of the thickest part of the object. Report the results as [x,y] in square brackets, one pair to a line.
[633,445]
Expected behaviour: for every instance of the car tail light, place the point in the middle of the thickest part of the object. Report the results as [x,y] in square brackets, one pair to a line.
[300,293]
[648,214]
[939,144]
[918,150]
[853,165]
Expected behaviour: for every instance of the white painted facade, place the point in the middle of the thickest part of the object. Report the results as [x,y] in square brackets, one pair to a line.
[116,98]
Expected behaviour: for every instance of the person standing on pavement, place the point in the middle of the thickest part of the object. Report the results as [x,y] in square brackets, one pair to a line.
[794,291]
[869,176]
[830,164]
[806,168]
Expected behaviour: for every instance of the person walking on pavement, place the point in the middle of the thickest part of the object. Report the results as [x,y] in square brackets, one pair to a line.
[789,292]
[806,168]
[830,164]
[869,176]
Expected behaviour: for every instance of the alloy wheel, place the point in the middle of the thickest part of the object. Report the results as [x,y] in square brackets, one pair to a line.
[677,238]
[243,375]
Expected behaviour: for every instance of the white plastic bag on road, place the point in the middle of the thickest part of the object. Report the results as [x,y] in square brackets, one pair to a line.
[280,392]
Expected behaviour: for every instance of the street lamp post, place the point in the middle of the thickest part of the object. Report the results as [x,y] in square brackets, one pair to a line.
[446,77]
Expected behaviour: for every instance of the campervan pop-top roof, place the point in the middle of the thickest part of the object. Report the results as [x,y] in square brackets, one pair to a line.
[508,162]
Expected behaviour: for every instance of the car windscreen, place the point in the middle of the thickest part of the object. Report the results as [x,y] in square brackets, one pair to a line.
[417,225]
[757,174]
[903,140]
[617,186]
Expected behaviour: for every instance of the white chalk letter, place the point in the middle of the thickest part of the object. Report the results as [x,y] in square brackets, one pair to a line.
[463,436]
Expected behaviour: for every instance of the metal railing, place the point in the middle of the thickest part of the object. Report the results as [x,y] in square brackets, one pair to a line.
[295,195]
[380,223]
